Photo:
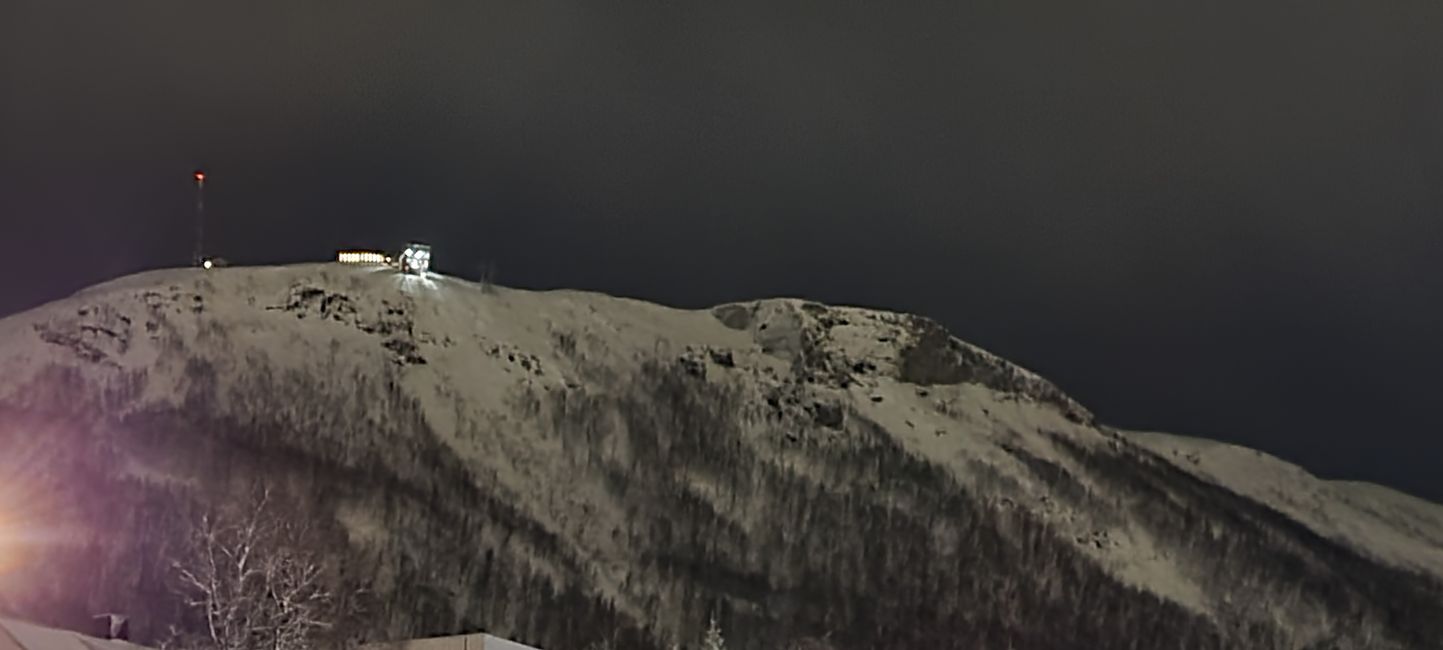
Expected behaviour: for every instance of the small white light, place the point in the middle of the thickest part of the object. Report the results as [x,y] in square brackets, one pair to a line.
[207,264]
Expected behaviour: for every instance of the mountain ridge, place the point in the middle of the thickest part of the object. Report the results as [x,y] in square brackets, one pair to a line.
[638,466]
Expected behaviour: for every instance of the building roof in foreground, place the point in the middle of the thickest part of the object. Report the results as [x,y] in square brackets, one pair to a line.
[458,642]
[18,635]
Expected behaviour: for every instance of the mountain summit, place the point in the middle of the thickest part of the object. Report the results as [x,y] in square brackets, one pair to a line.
[563,467]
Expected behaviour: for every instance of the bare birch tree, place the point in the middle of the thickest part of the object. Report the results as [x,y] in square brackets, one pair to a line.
[254,577]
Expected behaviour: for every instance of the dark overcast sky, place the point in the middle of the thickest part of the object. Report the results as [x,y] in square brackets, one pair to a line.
[1217,218]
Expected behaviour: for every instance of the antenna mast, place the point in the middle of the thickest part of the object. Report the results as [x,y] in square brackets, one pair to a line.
[199,255]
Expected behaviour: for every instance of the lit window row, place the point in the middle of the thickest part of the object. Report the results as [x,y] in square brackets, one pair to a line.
[362,257]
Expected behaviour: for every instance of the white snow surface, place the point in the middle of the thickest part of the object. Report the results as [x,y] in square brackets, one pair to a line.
[480,346]
[1385,524]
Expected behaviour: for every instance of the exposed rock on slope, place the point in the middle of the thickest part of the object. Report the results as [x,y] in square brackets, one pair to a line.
[559,467]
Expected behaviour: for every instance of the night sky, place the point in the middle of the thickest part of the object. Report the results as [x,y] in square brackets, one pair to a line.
[1214,218]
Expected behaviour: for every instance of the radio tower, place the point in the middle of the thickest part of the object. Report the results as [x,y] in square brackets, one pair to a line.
[199,256]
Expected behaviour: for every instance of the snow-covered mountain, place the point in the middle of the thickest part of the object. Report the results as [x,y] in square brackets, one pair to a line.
[560,467]
[1387,525]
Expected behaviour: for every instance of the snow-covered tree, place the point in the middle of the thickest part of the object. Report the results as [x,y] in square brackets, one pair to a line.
[253,580]
[713,639]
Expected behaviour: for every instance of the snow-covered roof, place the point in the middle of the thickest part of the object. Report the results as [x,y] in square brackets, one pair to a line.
[457,642]
[18,635]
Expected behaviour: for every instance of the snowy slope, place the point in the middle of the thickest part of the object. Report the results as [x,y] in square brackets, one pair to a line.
[1396,528]
[493,343]
[529,425]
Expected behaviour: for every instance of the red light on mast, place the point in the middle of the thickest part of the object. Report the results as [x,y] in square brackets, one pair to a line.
[199,176]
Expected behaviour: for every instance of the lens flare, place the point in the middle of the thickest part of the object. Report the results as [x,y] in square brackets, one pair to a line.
[31,513]
[7,554]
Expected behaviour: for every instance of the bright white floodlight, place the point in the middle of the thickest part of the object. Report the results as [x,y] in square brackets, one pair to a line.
[416,259]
